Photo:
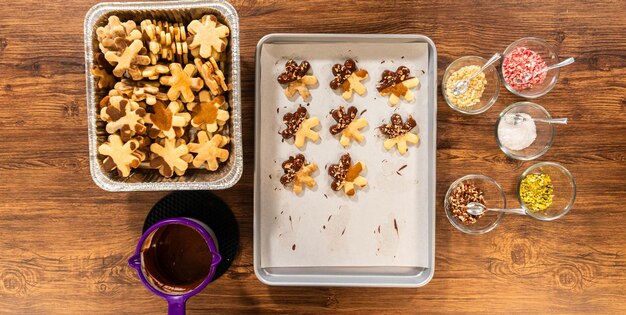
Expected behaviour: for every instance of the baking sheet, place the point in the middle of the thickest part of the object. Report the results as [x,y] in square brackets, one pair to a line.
[385,224]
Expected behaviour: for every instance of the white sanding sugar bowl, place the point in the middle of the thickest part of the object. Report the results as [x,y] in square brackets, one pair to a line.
[519,136]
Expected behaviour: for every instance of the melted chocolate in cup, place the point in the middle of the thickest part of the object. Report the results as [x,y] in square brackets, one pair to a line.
[176,259]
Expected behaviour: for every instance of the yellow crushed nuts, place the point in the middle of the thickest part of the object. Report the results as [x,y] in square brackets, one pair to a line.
[474,91]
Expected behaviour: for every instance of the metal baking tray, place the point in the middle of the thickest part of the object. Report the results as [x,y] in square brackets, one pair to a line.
[143,179]
[362,276]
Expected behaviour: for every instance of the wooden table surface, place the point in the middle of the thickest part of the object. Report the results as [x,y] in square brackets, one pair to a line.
[64,241]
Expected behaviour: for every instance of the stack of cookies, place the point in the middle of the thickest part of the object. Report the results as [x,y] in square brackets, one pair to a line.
[165,92]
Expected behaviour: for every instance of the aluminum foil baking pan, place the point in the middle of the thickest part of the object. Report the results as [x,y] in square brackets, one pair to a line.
[142,179]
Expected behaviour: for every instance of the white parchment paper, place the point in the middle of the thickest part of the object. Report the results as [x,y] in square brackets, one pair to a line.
[386,223]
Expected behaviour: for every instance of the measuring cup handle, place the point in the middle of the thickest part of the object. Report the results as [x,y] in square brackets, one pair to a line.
[134,262]
[217,258]
[176,306]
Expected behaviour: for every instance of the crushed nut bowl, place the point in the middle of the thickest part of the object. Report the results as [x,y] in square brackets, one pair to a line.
[494,197]
[492,88]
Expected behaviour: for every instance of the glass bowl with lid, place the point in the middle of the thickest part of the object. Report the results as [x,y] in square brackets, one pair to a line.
[494,197]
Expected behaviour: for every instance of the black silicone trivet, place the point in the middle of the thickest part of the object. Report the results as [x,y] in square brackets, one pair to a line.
[208,208]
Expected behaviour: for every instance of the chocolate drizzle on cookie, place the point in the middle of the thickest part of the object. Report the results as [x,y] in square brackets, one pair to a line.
[293,71]
[342,73]
[339,172]
[293,121]
[397,127]
[342,118]
[391,78]
[291,166]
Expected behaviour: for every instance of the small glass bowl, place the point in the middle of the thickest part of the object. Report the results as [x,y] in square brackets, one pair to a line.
[545,131]
[494,198]
[564,190]
[492,88]
[549,56]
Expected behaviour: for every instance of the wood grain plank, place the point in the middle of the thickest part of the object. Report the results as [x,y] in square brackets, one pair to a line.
[65,242]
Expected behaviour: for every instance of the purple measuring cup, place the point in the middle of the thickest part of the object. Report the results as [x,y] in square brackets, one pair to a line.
[176,300]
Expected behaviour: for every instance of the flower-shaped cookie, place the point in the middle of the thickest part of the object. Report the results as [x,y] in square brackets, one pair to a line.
[208,35]
[170,157]
[347,175]
[296,79]
[117,35]
[397,84]
[208,114]
[182,83]
[348,77]
[125,116]
[209,151]
[298,171]
[399,133]
[121,156]
[300,127]
[348,125]
[128,60]
[167,122]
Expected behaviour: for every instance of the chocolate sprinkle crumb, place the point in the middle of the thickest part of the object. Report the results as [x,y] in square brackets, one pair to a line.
[400,169]
[395,226]
[293,247]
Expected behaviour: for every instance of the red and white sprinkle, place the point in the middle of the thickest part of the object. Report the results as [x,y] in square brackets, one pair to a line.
[520,61]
